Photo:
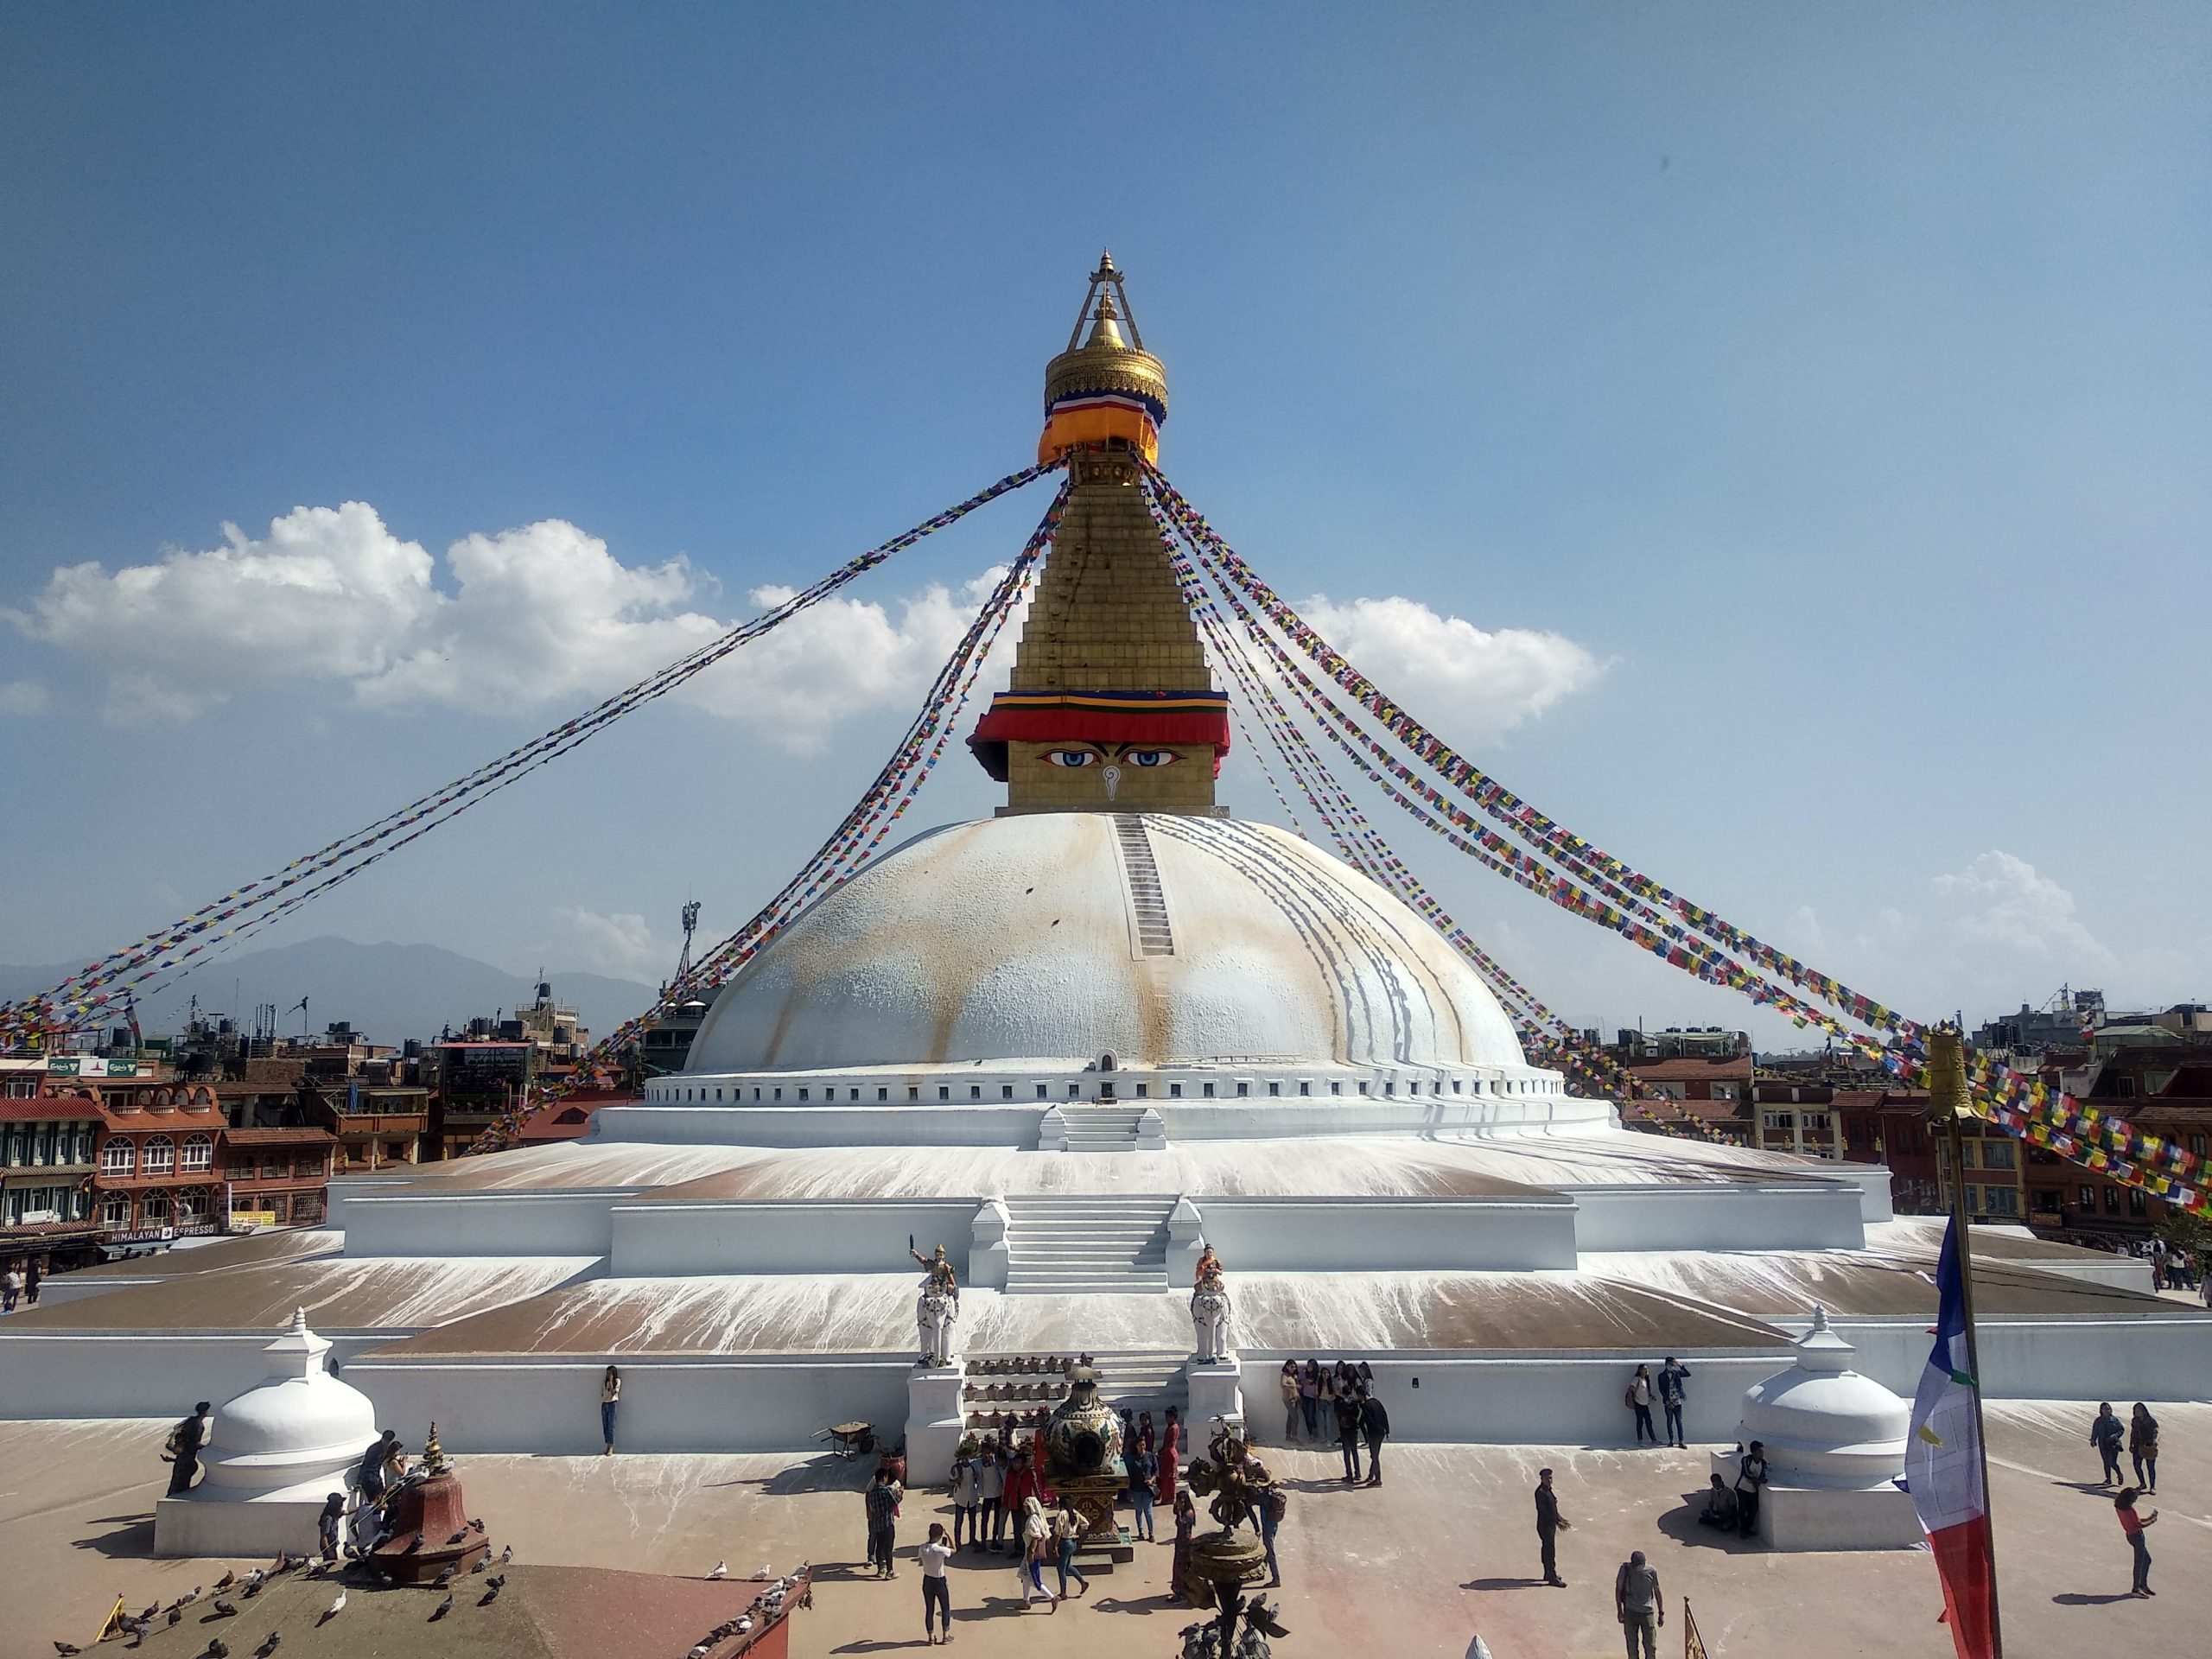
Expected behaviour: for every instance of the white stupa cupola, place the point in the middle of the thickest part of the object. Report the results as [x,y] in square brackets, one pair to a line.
[1824,1424]
[301,1425]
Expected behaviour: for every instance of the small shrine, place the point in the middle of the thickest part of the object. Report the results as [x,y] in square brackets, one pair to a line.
[430,1529]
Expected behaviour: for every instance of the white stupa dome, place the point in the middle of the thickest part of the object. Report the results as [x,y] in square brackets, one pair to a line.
[301,1425]
[1070,935]
[1824,1424]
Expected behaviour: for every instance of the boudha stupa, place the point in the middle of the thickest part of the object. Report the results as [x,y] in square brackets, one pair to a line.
[1078,1044]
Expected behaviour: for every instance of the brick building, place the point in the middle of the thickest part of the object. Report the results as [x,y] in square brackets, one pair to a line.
[48,1150]
[276,1178]
[1714,1089]
[1890,1126]
[2162,1089]
[1799,1117]
[157,1179]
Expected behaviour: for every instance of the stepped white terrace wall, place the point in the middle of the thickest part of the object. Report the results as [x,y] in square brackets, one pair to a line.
[2160,1356]
[145,1373]
[1785,1215]
[426,1221]
[788,1236]
[1368,1234]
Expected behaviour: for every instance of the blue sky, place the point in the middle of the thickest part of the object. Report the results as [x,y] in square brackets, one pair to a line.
[1824,393]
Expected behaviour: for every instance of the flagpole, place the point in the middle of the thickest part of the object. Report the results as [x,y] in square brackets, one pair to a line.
[1947,1108]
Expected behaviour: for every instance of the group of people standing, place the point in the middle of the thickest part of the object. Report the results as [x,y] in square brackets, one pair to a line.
[1669,1390]
[1337,1402]
[19,1282]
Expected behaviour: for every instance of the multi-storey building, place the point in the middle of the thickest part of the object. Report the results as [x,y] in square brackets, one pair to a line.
[158,1179]
[48,1145]
[276,1178]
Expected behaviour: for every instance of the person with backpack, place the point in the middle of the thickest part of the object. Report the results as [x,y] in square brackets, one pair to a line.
[1638,1400]
[1144,1469]
[1274,1503]
[184,1449]
[1374,1426]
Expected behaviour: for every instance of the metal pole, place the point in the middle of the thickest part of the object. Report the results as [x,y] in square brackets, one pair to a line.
[1947,1106]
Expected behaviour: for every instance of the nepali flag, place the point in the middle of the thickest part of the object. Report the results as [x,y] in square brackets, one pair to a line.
[1943,1469]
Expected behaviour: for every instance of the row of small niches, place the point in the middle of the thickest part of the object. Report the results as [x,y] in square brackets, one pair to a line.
[698,1095]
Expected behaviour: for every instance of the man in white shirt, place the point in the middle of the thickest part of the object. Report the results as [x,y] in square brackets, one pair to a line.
[937,1594]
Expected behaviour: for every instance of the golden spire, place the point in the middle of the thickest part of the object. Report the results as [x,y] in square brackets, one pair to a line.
[1108,392]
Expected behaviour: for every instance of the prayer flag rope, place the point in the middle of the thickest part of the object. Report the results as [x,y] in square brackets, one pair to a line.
[846,851]
[224,922]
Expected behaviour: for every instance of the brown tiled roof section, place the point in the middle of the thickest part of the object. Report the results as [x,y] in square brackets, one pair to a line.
[1109,615]
[46,1108]
[1735,1067]
[277,1138]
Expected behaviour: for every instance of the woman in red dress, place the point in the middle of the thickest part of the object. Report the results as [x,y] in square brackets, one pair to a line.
[1171,1459]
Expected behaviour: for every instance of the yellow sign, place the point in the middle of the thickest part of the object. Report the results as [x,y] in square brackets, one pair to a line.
[252,1218]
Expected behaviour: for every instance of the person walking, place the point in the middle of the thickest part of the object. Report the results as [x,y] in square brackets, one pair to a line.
[610,1396]
[1348,1435]
[1638,1400]
[1309,1399]
[2143,1447]
[1144,1469]
[1549,1524]
[881,1502]
[1274,1503]
[1171,1456]
[937,1594]
[1641,1609]
[1186,1531]
[2131,1526]
[1036,1541]
[962,1487]
[328,1525]
[1674,1391]
[185,1442]
[1375,1427]
[2106,1435]
[1067,1535]
[1290,1412]
[1750,1481]
[11,1287]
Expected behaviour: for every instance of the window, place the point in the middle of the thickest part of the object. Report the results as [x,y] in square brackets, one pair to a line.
[1075,1089]
[191,1209]
[1144,1090]
[883,1094]
[115,1210]
[1966,1154]
[802,1093]
[2000,1200]
[1780,1121]
[2136,1204]
[2088,1199]
[154,1210]
[1174,1091]
[159,1156]
[1819,1121]
[1304,1088]
[1242,1090]
[1974,1201]
[1336,1087]
[944,1091]
[1999,1155]
[974,1091]
[117,1158]
[1006,1091]
[913,1091]
[2196,1145]
[241,1166]
[854,1095]
[199,1155]
[1275,1089]
[2112,1200]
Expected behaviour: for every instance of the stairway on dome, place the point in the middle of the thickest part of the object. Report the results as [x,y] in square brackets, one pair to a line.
[1060,1244]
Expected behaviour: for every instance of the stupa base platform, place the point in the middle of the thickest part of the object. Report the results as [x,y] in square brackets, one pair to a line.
[274,1523]
[1817,1518]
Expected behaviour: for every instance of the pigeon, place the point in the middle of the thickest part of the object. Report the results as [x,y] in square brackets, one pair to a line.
[491,1594]
[721,1570]
[444,1608]
[413,1544]
[226,1609]
[482,1561]
[152,1608]
[699,1652]
[219,1648]
[269,1646]
[254,1579]
[457,1536]
[65,1649]
[226,1581]
[497,1581]
[445,1575]
[176,1612]
[476,1526]
[253,1587]
[507,1555]
[332,1611]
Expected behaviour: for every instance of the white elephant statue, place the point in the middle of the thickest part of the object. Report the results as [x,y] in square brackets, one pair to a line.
[935,1310]
[1210,1311]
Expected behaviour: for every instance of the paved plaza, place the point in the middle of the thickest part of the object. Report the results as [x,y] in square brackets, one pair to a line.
[1418,1566]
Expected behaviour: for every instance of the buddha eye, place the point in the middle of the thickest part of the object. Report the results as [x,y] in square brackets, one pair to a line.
[1152,757]
[1071,758]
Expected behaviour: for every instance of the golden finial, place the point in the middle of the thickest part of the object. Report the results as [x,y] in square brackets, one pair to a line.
[433,1455]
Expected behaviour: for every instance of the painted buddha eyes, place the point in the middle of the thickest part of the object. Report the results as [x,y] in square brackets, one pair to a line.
[1144,758]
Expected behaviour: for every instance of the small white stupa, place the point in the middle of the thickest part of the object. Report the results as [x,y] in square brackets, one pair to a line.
[274,1455]
[1835,1445]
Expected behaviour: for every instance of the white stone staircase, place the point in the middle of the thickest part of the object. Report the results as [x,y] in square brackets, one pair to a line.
[1064,1244]
[1103,1128]
[1144,1381]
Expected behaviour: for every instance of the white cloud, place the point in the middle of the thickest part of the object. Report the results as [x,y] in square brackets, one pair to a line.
[24,697]
[2004,902]
[539,618]
[1475,683]
[621,944]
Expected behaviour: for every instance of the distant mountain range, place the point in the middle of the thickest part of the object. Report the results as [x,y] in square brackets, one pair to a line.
[389,992]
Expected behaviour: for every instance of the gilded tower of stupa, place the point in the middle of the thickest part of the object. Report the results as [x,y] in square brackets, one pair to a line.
[1110,706]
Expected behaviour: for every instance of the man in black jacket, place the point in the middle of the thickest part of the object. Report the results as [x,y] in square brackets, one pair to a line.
[1375,1423]
[185,1442]
[1549,1524]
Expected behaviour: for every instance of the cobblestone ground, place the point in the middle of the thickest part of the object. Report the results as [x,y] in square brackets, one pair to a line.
[1442,1551]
